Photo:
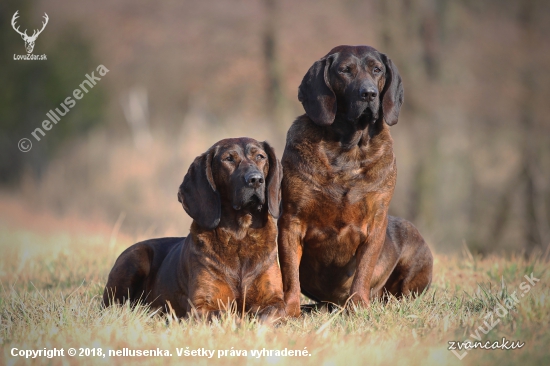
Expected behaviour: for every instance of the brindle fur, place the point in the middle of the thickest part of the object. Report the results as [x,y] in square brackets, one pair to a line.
[336,240]
[232,192]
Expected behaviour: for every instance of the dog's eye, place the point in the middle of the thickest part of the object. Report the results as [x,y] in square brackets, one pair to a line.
[345,70]
[228,158]
[260,157]
[377,70]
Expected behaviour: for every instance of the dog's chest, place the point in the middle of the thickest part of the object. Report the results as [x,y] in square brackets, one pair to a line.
[239,256]
[336,244]
[341,187]
[340,212]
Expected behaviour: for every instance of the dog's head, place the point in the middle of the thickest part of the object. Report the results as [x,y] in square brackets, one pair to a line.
[239,174]
[354,82]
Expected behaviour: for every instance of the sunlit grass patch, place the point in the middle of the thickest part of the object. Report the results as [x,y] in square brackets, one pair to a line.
[51,294]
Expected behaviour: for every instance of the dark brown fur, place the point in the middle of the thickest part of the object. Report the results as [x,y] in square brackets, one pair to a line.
[232,192]
[336,240]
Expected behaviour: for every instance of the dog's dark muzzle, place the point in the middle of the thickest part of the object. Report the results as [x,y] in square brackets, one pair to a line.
[252,190]
[254,179]
[368,93]
[363,101]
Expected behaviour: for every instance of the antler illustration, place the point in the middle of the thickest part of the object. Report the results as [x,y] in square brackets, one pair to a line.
[15,16]
[43,26]
[29,40]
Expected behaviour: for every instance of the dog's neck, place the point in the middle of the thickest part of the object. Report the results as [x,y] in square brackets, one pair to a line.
[242,218]
[238,223]
[357,133]
[234,230]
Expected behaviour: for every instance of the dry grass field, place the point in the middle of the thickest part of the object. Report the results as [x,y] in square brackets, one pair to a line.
[472,148]
[51,287]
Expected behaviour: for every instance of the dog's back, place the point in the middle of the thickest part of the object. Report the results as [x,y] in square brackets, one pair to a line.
[136,269]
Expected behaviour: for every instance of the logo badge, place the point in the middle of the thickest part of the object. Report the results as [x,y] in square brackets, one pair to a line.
[29,40]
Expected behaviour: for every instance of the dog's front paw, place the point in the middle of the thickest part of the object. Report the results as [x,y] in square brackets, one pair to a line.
[358,301]
[272,314]
[292,306]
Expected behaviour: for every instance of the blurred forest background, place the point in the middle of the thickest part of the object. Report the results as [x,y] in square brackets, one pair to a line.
[472,142]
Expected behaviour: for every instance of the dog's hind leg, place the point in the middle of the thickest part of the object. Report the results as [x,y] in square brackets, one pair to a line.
[127,278]
[419,276]
[413,272]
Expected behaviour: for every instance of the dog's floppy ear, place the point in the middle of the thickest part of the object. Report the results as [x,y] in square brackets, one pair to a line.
[392,94]
[316,94]
[274,178]
[198,194]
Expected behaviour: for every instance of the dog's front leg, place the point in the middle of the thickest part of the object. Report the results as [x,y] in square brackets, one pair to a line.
[367,256]
[208,296]
[290,254]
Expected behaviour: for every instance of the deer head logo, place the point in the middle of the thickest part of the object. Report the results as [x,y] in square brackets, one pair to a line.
[29,40]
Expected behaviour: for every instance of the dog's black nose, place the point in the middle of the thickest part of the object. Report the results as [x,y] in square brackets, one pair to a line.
[254,179]
[368,93]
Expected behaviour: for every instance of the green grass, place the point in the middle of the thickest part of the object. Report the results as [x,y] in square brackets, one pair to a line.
[51,288]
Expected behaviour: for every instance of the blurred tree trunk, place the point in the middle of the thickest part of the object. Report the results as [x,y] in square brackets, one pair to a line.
[424,193]
[274,97]
[504,208]
[533,198]
[430,30]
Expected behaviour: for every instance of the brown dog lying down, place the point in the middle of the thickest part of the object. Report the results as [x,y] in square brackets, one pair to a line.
[232,192]
[336,240]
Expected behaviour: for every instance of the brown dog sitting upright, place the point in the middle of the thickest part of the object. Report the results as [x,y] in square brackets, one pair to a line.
[232,192]
[336,240]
